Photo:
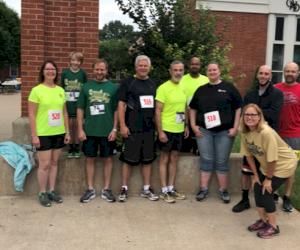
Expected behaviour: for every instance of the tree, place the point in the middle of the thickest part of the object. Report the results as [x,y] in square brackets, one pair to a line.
[173,29]
[9,36]
[117,30]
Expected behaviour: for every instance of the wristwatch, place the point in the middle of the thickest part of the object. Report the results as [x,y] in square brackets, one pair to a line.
[268,178]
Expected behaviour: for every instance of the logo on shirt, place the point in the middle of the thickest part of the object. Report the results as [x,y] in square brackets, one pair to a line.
[254,149]
[222,90]
[290,98]
[98,96]
[71,85]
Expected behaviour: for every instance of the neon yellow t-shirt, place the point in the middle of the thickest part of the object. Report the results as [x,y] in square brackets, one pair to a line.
[49,117]
[174,100]
[190,84]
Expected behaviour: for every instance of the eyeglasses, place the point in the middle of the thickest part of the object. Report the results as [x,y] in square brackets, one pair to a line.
[251,115]
[50,69]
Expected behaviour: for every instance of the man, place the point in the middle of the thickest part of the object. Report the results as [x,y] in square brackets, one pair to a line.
[171,122]
[136,117]
[289,122]
[97,103]
[190,83]
[270,100]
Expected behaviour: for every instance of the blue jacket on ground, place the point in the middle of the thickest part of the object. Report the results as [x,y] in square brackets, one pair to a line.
[18,158]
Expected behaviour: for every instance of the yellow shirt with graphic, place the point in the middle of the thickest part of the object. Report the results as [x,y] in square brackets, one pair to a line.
[191,84]
[50,102]
[267,146]
[174,100]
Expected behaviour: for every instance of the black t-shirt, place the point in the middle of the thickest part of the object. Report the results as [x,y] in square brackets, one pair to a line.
[223,97]
[138,118]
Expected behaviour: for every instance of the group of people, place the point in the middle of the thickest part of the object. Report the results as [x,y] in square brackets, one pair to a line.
[202,107]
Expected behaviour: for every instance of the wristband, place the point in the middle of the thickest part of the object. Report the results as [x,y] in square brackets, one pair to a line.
[114,130]
[268,178]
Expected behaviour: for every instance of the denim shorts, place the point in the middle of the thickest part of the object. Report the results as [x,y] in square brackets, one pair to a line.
[214,149]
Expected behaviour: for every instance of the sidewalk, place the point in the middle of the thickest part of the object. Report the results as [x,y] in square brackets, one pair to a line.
[10,110]
[136,224]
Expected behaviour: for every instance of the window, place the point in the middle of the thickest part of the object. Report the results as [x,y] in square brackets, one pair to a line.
[279,28]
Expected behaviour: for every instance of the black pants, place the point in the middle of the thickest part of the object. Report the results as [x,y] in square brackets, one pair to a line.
[266,200]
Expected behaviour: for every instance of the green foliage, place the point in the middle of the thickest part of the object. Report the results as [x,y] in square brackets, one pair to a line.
[9,36]
[115,52]
[115,30]
[173,29]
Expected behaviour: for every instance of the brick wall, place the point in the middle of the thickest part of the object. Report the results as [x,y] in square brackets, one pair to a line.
[51,29]
[248,35]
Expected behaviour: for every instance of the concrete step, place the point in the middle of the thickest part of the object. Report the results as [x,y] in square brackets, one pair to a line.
[71,176]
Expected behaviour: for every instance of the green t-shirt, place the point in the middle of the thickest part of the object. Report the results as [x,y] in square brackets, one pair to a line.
[99,101]
[49,117]
[174,100]
[190,84]
[72,83]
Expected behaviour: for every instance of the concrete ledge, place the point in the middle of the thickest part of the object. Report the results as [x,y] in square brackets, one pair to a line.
[71,173]
[71,176]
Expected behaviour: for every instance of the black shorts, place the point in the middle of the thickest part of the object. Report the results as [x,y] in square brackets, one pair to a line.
[174,142]
[51,142]
[139,148]
[93,144]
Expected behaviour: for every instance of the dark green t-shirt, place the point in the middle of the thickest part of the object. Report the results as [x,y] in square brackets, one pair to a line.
[72,83]
[99,101]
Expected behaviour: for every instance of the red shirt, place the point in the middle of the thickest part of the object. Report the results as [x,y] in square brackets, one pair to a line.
[289,121]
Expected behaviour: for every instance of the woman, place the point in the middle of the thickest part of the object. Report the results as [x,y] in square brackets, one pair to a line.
[48,121]
[277,162]
[214,115]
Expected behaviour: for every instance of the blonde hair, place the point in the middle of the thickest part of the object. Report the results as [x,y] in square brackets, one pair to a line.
[243,127]
[77,55]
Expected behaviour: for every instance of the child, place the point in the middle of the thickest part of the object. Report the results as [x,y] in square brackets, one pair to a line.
[72,80]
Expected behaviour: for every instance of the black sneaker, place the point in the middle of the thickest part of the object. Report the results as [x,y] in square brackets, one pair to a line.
[88,196]
[123,195]
[202,194]
[287,205]
[44,200]
[106,194]
[53,196]
[241,206]
[224,196]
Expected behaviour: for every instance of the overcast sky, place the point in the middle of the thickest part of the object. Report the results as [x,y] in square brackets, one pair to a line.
[109,11]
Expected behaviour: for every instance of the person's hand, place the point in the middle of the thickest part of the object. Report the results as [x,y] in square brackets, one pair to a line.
[197,132]
[81,135]
[255,179]
[186,132]
[162,137]
[112,135]
[35,140]
[124,131]
[232,132]
[267,186]
[67,138]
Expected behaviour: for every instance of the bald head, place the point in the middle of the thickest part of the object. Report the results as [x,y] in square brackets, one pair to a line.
[264,75]
[291,73]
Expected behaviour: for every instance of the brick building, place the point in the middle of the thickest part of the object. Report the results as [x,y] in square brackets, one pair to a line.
[53,29]
[261,32]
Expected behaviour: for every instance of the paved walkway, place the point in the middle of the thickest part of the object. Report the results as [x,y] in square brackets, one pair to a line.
[10,110]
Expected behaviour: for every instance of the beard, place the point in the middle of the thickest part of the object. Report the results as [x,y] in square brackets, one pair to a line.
[290,79]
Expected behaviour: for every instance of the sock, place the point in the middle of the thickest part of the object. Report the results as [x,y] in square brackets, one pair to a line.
[146,187]
[126,187]
[164,190]
[245,195]
[71,146]
[285,197]
[76,147]
[170,188]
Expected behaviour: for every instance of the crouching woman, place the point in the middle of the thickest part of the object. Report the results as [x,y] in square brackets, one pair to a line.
[277,162]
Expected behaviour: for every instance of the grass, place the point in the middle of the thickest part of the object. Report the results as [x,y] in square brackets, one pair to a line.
[295,197]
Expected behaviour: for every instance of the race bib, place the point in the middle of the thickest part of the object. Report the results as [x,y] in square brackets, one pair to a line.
[97,109]
[54,118]
[72,96]
[180,117]
[212,119]
[146,101]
